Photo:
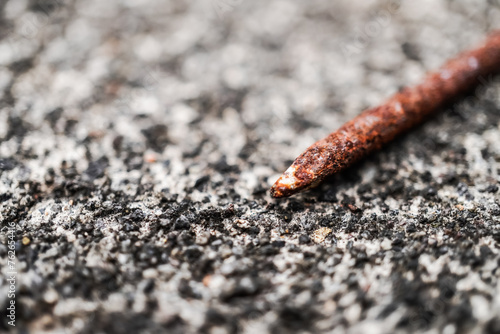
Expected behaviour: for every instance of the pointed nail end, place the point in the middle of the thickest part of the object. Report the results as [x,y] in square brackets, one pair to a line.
[286,185]
[275,192]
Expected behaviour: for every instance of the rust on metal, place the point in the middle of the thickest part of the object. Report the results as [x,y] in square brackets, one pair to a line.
[375,127]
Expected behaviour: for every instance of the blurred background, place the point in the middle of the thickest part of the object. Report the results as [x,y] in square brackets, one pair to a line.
[174,81]
[138,140]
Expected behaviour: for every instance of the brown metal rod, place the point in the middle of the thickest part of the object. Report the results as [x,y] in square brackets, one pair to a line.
[375,127]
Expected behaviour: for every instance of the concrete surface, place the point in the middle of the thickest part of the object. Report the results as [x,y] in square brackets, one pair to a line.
[138,140]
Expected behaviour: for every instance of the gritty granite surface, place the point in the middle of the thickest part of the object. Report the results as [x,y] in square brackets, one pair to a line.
[138,139]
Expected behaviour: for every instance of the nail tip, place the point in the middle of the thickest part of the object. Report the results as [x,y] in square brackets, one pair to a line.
[287,185]
[275,192]
[278,194]
[280,191]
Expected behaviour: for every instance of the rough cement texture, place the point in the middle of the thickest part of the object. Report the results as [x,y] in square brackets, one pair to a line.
[138,140]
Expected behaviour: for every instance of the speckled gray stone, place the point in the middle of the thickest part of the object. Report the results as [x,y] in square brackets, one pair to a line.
[138,140]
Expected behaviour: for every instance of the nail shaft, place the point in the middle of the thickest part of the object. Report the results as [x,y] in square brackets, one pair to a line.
[375,127]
